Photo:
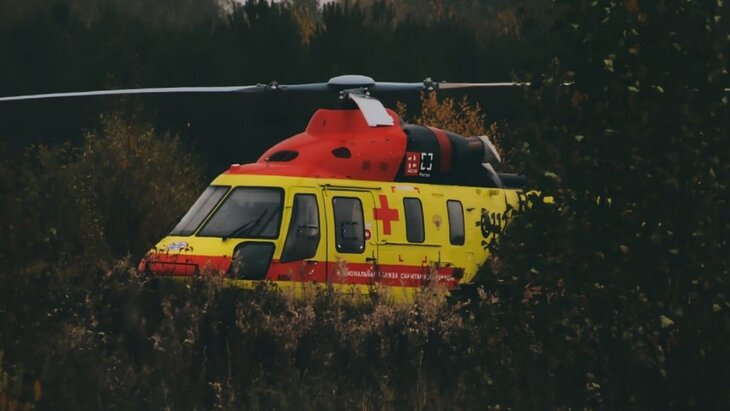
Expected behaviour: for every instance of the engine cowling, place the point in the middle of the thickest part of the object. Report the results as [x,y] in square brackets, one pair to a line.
[442,157]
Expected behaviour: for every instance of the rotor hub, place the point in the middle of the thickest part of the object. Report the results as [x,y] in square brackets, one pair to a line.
[351,81]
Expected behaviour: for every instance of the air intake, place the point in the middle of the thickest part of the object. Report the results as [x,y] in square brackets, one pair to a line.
[283,156]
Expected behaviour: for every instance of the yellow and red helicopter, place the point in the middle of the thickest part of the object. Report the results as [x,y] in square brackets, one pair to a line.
[358,199]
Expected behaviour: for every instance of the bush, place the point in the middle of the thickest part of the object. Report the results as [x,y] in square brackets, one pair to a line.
[68,212]
[623,282]
[147,344]
[116,194]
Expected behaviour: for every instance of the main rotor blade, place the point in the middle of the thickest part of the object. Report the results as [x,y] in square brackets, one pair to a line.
[301,87]
[338,83]
[156,90]
[452,86]
[429,85]
[385,86]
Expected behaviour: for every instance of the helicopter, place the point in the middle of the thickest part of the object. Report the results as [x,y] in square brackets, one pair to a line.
[359,199]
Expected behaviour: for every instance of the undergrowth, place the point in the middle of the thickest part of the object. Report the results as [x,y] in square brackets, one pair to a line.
[125,341]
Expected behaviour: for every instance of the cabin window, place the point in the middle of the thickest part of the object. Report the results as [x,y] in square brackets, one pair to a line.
[349,225]
[414,220]
[302,239]
[200,209]
[247,212]
[456,222]
[251,261]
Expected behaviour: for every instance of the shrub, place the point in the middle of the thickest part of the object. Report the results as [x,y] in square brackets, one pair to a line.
[623,283]
[115,194]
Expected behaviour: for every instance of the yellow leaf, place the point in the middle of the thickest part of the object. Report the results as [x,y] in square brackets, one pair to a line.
[665,321]
[37,390]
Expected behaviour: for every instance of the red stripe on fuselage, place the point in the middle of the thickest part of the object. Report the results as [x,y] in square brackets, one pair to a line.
[361,273]
[179,265]
[444,149]
[185,265]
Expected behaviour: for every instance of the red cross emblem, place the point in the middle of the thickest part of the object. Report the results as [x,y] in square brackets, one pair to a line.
[385,214]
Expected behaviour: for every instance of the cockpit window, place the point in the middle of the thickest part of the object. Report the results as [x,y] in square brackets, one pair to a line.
[247,212]
[200,209]
[303,237]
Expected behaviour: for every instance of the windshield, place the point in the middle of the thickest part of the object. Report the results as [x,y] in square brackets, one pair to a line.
[247,213]
[202,207]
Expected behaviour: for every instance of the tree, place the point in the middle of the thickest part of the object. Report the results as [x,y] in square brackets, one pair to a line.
[462,118]
[629,265]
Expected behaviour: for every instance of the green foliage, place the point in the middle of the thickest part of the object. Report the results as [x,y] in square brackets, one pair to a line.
[135,343]
[132,342]
[67,212]
[116,194]
[630,264]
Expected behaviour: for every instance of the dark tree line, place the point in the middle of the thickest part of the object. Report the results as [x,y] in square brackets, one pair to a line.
[75,45]
[626,282]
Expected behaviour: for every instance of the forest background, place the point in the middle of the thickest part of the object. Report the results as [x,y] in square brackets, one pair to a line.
[615,296]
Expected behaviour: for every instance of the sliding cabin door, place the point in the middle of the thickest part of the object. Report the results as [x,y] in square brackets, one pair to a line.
[411,233]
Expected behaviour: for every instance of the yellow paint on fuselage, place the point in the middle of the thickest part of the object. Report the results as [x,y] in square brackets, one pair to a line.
[480,206]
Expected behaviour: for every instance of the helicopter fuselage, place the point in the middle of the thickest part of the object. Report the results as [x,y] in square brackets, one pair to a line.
[351,233]
[347,204]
